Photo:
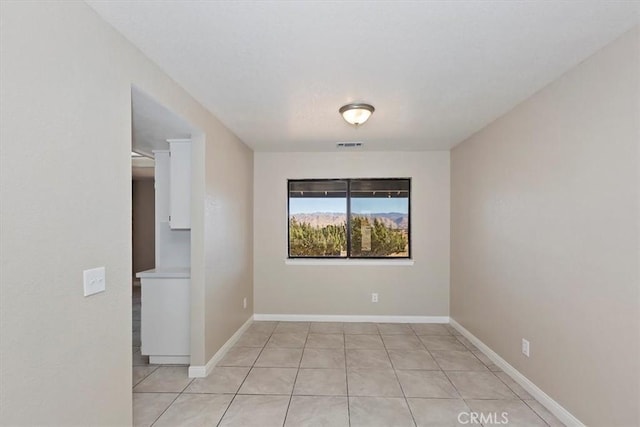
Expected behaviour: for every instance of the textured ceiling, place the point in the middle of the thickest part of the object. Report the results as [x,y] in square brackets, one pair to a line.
[277,72]
[153,124]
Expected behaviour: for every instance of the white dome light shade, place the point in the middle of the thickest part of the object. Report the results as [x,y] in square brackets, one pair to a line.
[356,114]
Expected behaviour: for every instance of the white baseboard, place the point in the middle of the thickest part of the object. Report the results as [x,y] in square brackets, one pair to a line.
[202,371]
[554,407]
[347,318]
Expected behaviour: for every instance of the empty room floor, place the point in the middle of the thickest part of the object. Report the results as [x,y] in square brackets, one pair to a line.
[337,374]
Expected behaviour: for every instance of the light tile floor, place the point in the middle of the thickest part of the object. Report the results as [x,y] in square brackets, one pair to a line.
[334,374]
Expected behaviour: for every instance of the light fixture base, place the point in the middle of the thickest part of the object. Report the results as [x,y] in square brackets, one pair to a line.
[357,113]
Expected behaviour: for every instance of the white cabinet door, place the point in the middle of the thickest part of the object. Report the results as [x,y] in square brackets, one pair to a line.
[162,185]
[165,317]
[180,184]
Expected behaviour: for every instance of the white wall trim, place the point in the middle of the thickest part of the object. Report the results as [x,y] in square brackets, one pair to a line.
[348,318]
[554,407]
[202,371]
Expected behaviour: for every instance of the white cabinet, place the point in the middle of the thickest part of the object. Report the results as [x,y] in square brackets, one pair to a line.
[162,166]
[180,183]
[173,246]
[166,305]
[165,315]
[173,184]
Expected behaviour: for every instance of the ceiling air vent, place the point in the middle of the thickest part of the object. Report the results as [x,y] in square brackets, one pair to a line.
[348,144]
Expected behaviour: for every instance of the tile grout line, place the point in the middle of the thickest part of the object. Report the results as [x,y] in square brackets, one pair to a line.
[143,378]
[172,402]
[346,377]
[516,394]
[536,412]
[466,401]
[395,373]
[447,376]
[246,376]
[165,410]
[500,379]
[296,378]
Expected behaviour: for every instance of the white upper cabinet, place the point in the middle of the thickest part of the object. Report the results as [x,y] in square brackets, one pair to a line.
[180,183]
[173,184]
[162,185]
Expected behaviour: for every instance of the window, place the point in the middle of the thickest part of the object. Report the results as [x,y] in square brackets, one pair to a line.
[349,218]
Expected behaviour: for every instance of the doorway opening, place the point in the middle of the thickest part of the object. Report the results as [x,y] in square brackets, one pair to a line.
[161,245]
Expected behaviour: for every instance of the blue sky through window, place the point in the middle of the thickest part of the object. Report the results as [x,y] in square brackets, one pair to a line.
[304,205]
[379,205]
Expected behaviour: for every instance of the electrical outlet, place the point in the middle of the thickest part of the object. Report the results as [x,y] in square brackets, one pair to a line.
[244,302]
[374,297]
[525,347]
[94,281]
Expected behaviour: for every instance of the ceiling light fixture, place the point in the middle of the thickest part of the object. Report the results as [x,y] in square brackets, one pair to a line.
[356,114]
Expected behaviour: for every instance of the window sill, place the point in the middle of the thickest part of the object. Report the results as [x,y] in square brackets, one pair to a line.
[360,262]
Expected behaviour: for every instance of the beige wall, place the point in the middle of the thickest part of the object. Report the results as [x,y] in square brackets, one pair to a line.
[228,263]
[65,173]
[545,236]
[418,290]
[143,228]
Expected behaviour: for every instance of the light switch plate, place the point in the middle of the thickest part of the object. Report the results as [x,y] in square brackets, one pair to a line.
[94,281]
